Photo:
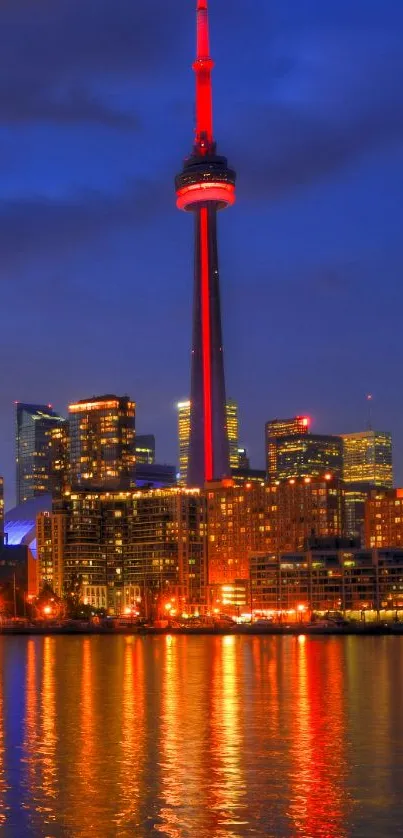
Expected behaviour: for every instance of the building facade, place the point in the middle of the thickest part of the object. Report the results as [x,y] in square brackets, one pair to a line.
[184,439]
[297,426]
[34,427]
[346,581]
[367,465]
[308,455]
[367,459]
[153,540]
[384,518]
[306,510]
[184,425]
[233,433]
[145,449]
[239,522]
[102,442]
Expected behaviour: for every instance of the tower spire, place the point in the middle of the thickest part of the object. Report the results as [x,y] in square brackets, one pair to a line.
[203,65]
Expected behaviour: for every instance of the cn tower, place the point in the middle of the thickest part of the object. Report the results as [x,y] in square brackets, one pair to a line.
[206,185]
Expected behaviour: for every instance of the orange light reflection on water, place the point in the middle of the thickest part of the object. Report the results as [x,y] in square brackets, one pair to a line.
[318,792]
[228,788]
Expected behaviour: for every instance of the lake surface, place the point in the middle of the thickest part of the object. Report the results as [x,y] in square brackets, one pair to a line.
[214,737]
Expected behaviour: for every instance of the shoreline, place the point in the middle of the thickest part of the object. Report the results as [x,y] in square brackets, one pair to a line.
[362,630]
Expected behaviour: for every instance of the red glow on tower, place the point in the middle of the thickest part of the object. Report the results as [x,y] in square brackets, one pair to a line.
[206,343]
[203,66]
[206,185]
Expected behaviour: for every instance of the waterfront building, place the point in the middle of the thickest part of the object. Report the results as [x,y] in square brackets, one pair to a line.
[125,540]
[50,542]
[384,518]
[307,509]
[238,523]
[204,186]
[367,458]
[145,449]
[102,442]
[308,455]
[18,579]
[296,426]
[34,426]
[352,581]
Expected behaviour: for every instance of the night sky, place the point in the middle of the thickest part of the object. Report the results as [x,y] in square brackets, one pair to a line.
[96,109]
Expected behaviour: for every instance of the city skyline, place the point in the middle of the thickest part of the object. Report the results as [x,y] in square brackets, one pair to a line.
[297,67]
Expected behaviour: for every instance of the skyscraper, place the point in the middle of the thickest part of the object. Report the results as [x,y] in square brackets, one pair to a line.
[367,465]
[308,455]
[145,449]
[183,437]
[296,426]
[233,431]
[184,425]
[205,186]
[34,425]
[367,458]
[102,446]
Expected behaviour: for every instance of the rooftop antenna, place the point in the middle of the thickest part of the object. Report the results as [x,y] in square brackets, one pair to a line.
[369,402]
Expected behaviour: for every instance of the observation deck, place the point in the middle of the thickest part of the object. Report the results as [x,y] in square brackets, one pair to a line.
[204,180]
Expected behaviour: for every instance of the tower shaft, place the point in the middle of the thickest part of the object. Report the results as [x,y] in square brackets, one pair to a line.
[209,449]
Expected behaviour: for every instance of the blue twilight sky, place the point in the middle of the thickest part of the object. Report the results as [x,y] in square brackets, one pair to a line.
[96,115]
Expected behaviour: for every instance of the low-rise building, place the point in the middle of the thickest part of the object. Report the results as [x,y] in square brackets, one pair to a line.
[340,580]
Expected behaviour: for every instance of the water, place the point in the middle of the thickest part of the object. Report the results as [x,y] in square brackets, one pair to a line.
[201,736]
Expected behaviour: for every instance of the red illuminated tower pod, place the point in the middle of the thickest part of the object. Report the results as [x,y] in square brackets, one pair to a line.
[206,185]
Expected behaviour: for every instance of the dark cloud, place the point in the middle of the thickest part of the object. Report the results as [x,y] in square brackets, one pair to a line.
[51,52]
[340,97]
[30,101]
[40,227]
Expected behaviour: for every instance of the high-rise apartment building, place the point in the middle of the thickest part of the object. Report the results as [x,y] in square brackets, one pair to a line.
[307,510]
[297,426]
[367,458]
[60,458]
[276,516]
[384,519]
[184,424]
[145,449]
[308,455]
[35,424]
[238,522]
[102,441]
[110,542]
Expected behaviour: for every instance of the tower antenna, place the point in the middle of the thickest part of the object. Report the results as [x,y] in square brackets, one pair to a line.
[203,65]
[369,403]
